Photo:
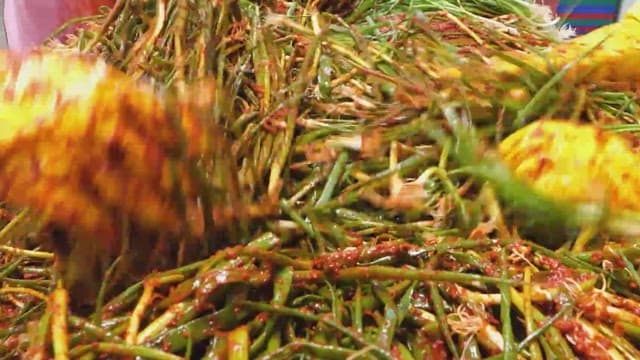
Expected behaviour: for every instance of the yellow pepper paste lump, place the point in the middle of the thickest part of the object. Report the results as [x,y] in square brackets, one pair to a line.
[84,144]
[578,163]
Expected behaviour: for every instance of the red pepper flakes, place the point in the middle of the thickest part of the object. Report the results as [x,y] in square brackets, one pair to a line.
[597,257]
[588,346]
[438,350]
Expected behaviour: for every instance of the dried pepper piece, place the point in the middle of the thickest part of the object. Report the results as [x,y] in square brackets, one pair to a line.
[579,163]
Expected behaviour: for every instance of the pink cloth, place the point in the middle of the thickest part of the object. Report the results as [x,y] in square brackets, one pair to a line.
[29,22]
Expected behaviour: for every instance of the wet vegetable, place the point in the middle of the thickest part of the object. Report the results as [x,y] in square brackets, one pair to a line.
[359,178]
